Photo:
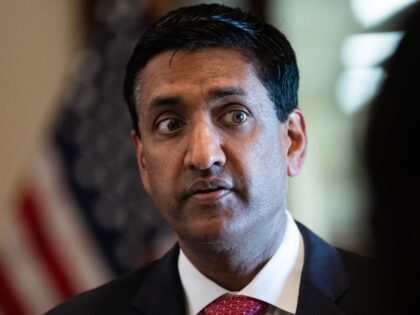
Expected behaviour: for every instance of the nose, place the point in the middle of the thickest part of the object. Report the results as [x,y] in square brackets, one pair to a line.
[204,147]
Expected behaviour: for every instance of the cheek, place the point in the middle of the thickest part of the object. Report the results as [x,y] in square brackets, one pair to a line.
[162,168]
[162,192]
[267,166]
[159,176]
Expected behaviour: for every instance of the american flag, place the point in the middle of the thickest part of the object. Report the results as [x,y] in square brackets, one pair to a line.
[81,217]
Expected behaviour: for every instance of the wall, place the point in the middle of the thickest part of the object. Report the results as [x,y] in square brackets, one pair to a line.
[325,196]
[38,41]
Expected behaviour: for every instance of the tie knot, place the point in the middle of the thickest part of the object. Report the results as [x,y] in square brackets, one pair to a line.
[235,305]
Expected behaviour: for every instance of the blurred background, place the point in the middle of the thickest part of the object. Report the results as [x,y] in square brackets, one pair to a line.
[72,212]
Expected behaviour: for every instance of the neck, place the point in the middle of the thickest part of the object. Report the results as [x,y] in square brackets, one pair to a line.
[234,266]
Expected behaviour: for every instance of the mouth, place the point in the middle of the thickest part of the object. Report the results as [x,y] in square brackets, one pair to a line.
[209,190]
[210,194]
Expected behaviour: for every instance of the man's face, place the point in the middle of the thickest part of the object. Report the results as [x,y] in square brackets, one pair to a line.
[212,154]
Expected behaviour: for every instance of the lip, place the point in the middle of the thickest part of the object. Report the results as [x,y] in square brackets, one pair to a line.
[209,196]
[209,190]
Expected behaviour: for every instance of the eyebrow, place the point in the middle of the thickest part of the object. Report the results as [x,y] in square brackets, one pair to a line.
[216,93]
[164,101]
[226,91]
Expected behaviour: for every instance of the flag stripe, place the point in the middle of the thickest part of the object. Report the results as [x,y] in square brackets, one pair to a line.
[9,301]
[66,228]
[79,221]
[30,215]
[25,269]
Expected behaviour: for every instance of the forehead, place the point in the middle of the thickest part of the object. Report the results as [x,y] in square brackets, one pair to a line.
[186,73]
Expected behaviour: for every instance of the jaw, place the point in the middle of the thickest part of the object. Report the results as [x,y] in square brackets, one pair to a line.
[238,238]
[232,259]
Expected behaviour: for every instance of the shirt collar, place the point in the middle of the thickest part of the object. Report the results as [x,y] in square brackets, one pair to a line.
[277,283]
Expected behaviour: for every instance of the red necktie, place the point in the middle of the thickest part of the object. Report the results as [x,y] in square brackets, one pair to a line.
[235,305]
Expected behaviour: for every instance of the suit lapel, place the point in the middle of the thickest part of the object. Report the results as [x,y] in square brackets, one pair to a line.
[312,301]
[161,291]
[324,278]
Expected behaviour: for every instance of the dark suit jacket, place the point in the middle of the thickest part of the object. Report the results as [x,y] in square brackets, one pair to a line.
[333,282]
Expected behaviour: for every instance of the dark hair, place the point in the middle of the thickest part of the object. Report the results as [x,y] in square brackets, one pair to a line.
[212,25]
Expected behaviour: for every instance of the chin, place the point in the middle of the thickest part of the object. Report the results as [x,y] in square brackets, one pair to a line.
[213,232]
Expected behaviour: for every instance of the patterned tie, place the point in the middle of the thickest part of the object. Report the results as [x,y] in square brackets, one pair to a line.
[235,305]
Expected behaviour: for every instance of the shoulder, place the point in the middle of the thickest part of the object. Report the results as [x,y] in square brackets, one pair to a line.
[347,280]
[113,297]
[349,267]
[358,267]
[143,289]
[365,290]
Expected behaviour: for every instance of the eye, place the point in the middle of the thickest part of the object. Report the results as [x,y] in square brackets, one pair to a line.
[235,117]
[169,125]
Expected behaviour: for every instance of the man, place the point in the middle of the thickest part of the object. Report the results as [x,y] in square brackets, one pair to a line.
[213,97]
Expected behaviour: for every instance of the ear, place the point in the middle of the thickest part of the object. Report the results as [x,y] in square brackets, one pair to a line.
[297,142]
[138,145]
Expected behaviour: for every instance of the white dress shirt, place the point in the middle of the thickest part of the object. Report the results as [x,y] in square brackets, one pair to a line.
[277,283]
